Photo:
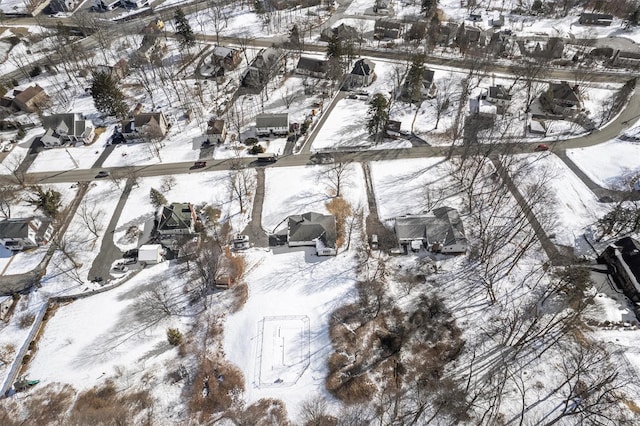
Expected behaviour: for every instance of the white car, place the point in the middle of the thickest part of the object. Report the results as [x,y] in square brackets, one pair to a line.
[7,147]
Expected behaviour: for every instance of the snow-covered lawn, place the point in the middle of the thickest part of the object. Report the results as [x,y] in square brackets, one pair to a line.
[612,164]
[307,191]
[300,290]
[401,186]
[80,243]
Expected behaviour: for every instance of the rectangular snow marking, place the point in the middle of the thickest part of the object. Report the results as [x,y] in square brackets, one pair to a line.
[284,350]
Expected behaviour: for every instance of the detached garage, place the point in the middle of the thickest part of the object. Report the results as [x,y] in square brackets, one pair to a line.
[150,254]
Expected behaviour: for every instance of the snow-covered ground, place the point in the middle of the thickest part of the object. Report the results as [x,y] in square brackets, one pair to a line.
[613,164]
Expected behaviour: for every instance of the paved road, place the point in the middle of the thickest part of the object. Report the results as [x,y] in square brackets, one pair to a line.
[109,252]
[306,149]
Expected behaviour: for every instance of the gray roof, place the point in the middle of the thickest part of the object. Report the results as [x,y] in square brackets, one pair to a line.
[444,227]
[596,16]
[312,64]
[310,226]
[272,120]
[69,123]
[499,92]
[14,228]
[363,67]
[563,91]
[175,216]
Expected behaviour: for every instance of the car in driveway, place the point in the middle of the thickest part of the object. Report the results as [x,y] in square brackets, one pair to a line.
[102,174]
[542,147]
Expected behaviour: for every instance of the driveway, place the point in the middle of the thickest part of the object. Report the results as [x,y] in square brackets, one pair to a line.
[254,229]
[109,252]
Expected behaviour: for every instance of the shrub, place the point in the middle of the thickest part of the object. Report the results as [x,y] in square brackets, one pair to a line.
[21,133]
[250,141]
[256,149]
[35,71]
[174,336]
[26,320]
[304,127]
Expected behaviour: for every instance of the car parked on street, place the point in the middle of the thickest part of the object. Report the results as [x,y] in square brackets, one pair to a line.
[542,147]
[102,174]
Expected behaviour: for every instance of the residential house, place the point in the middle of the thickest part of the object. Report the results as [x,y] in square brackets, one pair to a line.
[226,57]
[108,4]
[599,19]
[118,71]
[561,99]
[387,28]
[500,97]
[264,67]
[176,224]
[272,124]
[64,5]
[314,67]
[152,124]
[363,74]
[217,130]
[427,88]
[626,59]
[5,306]
[61,129]
[497,21]
[537,127]
[136,4]
[440,232]
[382,7]
[22,234]
[623,259]
[479,106]
[27,100]
[342,32]
[552,49]
[447,33]
[315,230]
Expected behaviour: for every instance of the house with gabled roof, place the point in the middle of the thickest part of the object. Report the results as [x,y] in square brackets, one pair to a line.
[342,32]
[149,123]
[264,67]
[442,231]
[562,99]
[427,87]
[28,100]
[61,129]
[599,19]
[385,28]
[176,223]
[272,124]
[623,260]
[363,74]
[314,230]
[227,57]
[314,67]
[25,233]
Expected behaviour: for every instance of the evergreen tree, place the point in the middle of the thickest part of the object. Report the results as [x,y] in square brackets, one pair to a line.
[258,7]
[334,48]
[413,84]
[378,115]
[49,201]
[183,30]
[156,198]
[294,37]
[107,97]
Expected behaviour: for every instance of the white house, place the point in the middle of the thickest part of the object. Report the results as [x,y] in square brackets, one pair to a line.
[315,230]
[272,124]
[61,129]
[150,254]
[21,234]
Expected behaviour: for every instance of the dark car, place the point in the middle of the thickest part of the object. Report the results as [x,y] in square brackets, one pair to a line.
[199,165]
[102,174]
[130,253]
[542,147]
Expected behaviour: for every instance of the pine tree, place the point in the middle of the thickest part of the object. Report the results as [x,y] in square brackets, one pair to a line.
[334,47]
[183,30]
[49,201]
[378,115]
[294,37]
[174,336]
[107,97]
[429,7]
[156,198]
[414,78]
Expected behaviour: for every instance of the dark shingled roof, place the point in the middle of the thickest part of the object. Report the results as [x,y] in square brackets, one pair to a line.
[363,67]
[309,226]
[175,216]
[14,228]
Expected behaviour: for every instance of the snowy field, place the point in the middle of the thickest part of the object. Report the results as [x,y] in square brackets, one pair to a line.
[294,283]
[613,164]
[414,176]
[307,192]
[283,352]
[575,207]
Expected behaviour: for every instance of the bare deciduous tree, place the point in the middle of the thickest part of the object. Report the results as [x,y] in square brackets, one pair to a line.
[337,176]
[91,216]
